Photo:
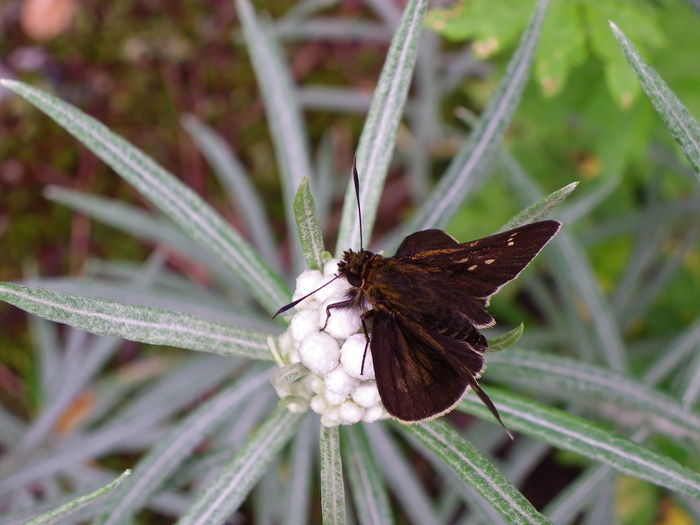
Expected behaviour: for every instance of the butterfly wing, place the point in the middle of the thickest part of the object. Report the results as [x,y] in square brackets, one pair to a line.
[425,240]
[421,375]
[425,342]
[480,268]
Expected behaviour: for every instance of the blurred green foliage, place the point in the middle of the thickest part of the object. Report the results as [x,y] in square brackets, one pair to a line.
[585,118]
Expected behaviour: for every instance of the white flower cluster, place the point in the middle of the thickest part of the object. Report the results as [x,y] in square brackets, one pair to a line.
[337,390]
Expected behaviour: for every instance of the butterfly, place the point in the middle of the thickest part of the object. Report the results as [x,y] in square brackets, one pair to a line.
[423,308]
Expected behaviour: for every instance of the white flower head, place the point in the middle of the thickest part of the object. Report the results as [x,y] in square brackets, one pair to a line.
[334,348]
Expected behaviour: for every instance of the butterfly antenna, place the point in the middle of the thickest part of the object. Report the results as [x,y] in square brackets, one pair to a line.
[294,303]
[356,180]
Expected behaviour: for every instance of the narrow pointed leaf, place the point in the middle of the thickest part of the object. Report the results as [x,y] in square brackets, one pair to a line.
[683,127]
[475,470]
[164,190]
[540,209]
[470,166]
[231,487]
[332,486]
[379,133]
[308,226]
[135,221]
[405,483]
[300,474]
[283,113]
[572,433]
[573,270]
[169,452]
[506,340]
[77,504]
[573,378]
[237,183]
[368,490]
[137,323]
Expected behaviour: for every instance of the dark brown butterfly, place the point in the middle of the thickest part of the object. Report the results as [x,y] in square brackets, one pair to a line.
[423,309]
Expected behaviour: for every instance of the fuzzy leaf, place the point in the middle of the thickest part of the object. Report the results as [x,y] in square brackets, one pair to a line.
[683,127]
[332,487]
[475,470]
[308,226]
[572,433]
[137,323]
[177,201]
[233,484]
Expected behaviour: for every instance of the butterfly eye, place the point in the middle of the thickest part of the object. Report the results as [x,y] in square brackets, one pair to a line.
[354,279]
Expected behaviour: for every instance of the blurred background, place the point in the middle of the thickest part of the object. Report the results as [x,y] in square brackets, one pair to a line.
[140,66]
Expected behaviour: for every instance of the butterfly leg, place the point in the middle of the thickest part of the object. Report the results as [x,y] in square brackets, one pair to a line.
[342,304]
[363,318]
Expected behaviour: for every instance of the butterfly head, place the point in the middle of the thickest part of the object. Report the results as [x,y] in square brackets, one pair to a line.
[352,265]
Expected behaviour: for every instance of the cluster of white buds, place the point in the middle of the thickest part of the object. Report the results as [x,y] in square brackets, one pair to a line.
[341,389]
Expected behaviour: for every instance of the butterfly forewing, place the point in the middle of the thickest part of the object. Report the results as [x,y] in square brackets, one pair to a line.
[480,267]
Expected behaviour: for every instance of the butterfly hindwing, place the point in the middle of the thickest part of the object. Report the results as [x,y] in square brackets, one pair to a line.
[420,375]
[425,240]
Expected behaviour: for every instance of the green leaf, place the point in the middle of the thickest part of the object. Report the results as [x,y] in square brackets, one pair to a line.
[138,323]
[642,19]
[237,184]
[368,490]
[164,190]
[562,46]
[229,490]
[332,487]
[574,271]
[378,136]
[572,433]
[506,340]
[168,453]
[284,115]
[77,504]
[540,209]
[471,164]
[475,470]
[288,374]
[136,222]
[403,480]
[567,378]
[494,25]
[190,301]
[301,463]
[683,127]
[308,226]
